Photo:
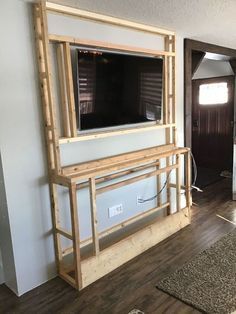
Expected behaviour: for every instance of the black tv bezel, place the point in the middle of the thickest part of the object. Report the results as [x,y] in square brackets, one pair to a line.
[121,127]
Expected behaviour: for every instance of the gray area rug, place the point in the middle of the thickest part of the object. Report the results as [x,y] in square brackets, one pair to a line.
[208,282]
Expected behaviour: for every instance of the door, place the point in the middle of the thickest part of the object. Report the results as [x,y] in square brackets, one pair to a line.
[212,122]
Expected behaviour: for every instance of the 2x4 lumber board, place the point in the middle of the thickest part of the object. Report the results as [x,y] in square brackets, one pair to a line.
[60,179]
[188,179]
[63,93]
[137,243]
[75,234]
[178,183]
[118,166]
[165,92]
[167,46]
[174,96]
[158,182]
[64,233]
[117,175]
[118,227]
[106,45]
[55,224]
[168,162]
[105,134]
[46,56]
[70,89]
[94,221]
[43,86]
[57,8]
[68,279]
[135,179]
[173,185]
[108,161]
[50,158]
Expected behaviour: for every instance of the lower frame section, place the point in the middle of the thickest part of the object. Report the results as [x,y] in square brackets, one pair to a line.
[116,255]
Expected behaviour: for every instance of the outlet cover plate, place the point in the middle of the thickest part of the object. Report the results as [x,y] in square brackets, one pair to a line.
[115,210]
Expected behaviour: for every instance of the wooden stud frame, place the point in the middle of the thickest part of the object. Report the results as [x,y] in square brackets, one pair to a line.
[160,161]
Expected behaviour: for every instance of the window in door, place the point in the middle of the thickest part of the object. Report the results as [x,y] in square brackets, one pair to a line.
[213,93]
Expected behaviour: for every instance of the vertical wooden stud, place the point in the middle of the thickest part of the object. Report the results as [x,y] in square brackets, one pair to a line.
[92,190]
[174,88]
[62,82]
[46,81]
[50,132]
[56,224]
[167,119]
[178,183]
[159,197]
[75,234]
[70,89]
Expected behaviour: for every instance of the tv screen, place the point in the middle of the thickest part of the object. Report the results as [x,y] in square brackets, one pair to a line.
[117,89]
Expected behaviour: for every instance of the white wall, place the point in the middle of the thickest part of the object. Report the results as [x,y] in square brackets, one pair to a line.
[213,68]
[1,270]
[7,261]
[22,145]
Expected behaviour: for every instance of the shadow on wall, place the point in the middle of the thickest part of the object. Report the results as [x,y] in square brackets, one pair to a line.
[1,269]
[6,250]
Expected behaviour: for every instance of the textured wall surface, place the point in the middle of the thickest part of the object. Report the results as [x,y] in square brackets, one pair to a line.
[206,20]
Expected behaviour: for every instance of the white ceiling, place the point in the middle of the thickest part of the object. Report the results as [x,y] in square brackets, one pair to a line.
[213,21]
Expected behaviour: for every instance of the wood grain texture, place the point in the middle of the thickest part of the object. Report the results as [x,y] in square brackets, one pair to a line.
[212,129]
[133,284]
[60,9]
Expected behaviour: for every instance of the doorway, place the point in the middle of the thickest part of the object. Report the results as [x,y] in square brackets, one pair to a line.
[209,110]
[212,128]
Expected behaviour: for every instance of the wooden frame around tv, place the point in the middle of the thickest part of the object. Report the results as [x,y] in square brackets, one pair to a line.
[82,270]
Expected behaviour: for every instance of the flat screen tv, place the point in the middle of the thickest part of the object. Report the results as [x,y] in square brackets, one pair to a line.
[116,89]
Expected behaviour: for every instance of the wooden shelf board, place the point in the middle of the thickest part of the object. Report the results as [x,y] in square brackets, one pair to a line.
[79,172]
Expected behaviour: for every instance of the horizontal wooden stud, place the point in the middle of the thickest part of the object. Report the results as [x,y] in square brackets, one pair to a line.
[172,185]
[64,233]
[108,46]
[135,179]
[60,179]
[105,134]
[117,227]
[57,8]
[118,175]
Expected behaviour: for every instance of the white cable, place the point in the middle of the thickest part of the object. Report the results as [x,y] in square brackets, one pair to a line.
[141,201]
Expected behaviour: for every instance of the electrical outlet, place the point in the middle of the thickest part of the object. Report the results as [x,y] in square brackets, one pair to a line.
[115,210]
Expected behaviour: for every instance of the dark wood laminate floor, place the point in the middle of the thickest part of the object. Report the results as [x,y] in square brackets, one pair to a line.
[133,284]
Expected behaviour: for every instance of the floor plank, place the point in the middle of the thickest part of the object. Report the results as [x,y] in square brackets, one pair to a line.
[133,284]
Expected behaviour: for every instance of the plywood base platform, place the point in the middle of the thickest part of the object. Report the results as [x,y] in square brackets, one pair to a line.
[109,259]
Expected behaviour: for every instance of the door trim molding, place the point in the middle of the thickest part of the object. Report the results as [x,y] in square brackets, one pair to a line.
[190,46]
